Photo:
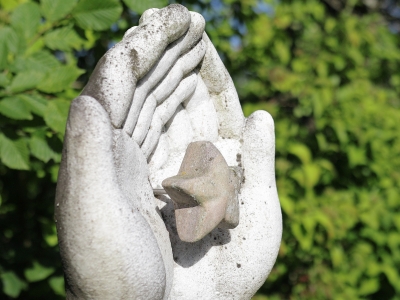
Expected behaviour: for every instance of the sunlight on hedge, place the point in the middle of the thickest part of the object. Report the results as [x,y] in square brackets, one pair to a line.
[330,78]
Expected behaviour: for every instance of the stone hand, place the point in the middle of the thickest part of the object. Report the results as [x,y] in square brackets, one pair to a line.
[162,87]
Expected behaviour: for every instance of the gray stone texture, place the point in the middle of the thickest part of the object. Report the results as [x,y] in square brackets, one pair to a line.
[158,90]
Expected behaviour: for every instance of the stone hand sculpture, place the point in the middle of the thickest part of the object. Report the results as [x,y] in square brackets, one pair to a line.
[161,89]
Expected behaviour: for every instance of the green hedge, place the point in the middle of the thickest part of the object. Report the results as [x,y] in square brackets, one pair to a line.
[330,78]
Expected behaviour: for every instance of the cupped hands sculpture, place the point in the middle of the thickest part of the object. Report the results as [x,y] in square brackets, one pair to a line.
[154,93]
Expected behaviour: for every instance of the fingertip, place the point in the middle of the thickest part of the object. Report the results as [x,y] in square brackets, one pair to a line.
[197,19]
[147,14]
[259,133]
[195,32]
[175,18]
[114,79]
[263,119]
[129,31]
[180,15]
[259,149]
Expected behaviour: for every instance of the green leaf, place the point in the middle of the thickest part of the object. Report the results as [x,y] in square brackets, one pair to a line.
[282,51]
[40,149]
[35,46]
[140,6]
[97,15]
[3,80]
[14,153]
[56,115]
[369,286]
[51,237]
[12,285]
[15,108]
[42,61]
[57,284]
[301,151]
[312,173]
[3,48]
[54,171]
[26,19]
[356,156]
[38,272]
[63,39]
[287,204]
[26,80]
[59,79]
[15,41]
[35,104]
[259,297]
[55,10]
[9,5]
[10,40]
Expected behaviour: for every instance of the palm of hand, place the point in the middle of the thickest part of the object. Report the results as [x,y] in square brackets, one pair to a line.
[113,242]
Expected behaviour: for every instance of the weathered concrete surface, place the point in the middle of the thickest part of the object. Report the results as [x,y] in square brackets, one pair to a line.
[117,240]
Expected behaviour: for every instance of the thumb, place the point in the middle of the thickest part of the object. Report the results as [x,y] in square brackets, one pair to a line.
[108,249]
[260,208]
[259,150]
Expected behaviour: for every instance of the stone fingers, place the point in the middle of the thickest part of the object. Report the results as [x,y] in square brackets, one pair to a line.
[114,79]
[166,110]
[222,92]
[182,67]
[170,56]
[202,114]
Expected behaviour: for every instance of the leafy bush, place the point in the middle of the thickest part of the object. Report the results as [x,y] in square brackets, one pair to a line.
[328,75]
[40,45]
[330,80]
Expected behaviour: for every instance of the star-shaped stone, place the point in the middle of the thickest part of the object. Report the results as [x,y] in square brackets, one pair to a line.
[205,192]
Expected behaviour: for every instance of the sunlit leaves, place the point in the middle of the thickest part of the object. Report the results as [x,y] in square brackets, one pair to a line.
[3,80]
[26,80]
[15,108]
[54,10]
[57,284]
[38,69]
[64,38]
[14,153]
[12,284]
[40,149]
[139,6]
[329,78]
[3,48]
[26,19]
[58,79]
[333,82]
[38,272]
[42,61]
[21,106]
[34,103]
[97,15]
[301,151]
[51,237]
[56,115]
[10,41]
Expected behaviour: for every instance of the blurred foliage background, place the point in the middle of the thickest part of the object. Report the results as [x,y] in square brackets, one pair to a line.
[328,72]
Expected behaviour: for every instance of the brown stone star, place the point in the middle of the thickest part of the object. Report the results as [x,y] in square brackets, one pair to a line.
[205,192]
